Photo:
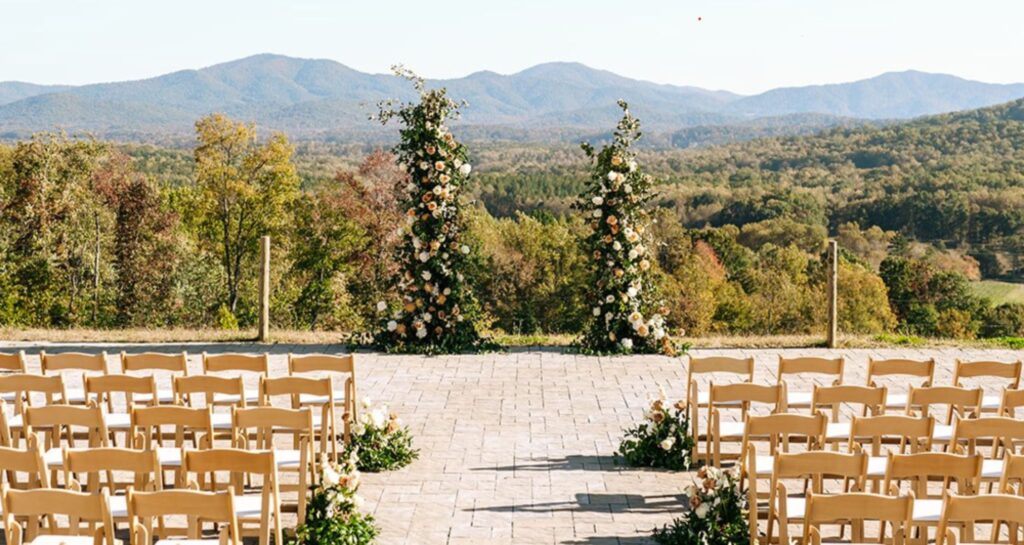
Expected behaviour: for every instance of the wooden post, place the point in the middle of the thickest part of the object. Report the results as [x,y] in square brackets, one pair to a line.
[264,332]
[833,292]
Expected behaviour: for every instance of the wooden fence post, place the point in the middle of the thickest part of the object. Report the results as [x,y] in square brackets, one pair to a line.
[833,292]
[264,332]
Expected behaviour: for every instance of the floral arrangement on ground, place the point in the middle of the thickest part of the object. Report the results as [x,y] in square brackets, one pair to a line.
[333,513]
[381,441]
[662,439]
[626,317]
[717,515]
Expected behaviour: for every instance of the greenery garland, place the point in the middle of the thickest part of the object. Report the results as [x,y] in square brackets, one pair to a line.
[438,313]
[615,201]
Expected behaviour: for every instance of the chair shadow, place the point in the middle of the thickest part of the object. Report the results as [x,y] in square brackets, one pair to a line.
[600,503]
[573,462]
[192,348]
[610,540]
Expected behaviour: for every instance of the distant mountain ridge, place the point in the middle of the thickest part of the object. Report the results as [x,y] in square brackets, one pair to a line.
[316,97]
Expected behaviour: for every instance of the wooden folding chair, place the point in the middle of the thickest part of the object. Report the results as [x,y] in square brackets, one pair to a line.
[295,388]
[144,507]
[959,403]
[211,388]
[28,461]
[917,470]
[896,371]
[12,363]
[739,396]
[966,511]
[832,399]
[341,366]
[999,435]
[856,508]
[240,465]
[47,502]
[22,387]
[168,429]
[152,364]
[63,426]
[103,390]
[1011,401]
[889,433]
[831,370]
[811,469]
[94,469]
[256,428]
[238,365]
[74,361]
[1008,371]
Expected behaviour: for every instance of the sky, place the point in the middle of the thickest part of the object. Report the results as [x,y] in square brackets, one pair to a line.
[744,46]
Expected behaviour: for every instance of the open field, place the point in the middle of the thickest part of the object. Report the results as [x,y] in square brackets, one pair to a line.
[1000,292]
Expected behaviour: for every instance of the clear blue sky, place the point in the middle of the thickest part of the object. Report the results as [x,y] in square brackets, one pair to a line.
[740,45]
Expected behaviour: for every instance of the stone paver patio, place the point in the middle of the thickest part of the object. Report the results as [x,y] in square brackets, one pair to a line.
[518,447]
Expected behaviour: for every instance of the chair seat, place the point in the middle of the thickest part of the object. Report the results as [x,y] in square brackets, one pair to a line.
[837,431]
[288,458]
[251,397]
[308,399]
[15,422]
[118,421]
[704,397]
[53,458]
[991,469]
[162,396]
[942,433]
[63,540]
[895,401]
[187,541]
[798,399]
[8,397]
[927,510]
[169,456]
[877,466]
[118,506]
[765,465]
[795,508]
[221,421]
[249,506]
[991,403]
[731,429]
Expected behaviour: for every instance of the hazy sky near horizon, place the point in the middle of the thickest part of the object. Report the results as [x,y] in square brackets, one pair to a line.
[744,46]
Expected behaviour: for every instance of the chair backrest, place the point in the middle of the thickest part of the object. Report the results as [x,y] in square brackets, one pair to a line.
[293,387]
[253,363]
[909,433]
[143,465]
[103,389]
[46,502]
[818,465]
[832,399]
[1013,474]
[917,469]
[73,361]
[996,431]
[959,402]
[831,367]
[897,511]
[27,461]
[155,361]
[255,427]
[15,362]
[1011,401]
[144,507]
[23,385]
[187,387]
[781,428]
[206,465]
[148,424]
[743,367]
[309,363]
[899,367]
[963,511]
[61,422]
[746,393]
[988,369]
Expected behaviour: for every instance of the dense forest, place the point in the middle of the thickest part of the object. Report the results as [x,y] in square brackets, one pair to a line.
[104,234]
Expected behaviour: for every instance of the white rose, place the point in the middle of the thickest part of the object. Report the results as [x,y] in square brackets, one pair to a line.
[358,501]
[598,201]
[447,291]
[627,343]
[609,299]
[659,333]
[424,256]
[426,275]
[427,317]
[379,418]
[631,291]
[464,249]
[465,169]
[438,190]
[702,510]
[330,476]
[597,311]
[596,213]
[612,176]
[633,254]
[616,246]
[421,333]
[632,166]
[627,189]
[381,306]
[667,443]
[392,325]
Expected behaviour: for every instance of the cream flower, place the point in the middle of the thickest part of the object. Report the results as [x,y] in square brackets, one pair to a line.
[636,316]
[627,343]
[465,169]
[381,306]
[464,249]
[439,166]
[426,275]
[598,200]
[424,256]
[392,325]
[667,443]
[597,311]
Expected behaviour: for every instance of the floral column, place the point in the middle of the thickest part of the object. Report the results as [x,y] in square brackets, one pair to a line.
[437,311]
[615,202]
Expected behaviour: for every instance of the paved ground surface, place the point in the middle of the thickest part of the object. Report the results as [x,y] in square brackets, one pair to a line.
[518,447]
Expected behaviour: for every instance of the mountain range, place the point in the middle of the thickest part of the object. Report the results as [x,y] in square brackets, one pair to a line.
[315,98]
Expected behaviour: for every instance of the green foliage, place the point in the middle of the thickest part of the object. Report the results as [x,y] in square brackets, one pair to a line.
[332,512]
[900,340]
[661,440]
[225,319]
[930,302]
[717,515]
[1006,320]
[380,442]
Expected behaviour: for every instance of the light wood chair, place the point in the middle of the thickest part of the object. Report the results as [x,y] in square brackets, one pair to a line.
[811,469]
[240,465]
[74,361]
[1008,371]
[915,471]
[94,469]
[856,508]
[881,435]
[832,399]
[23,387]
[697,398]
[998,435]
[104,391]
[338,366]
[63,426]
[15,362]
[959,403]
[239,365]
[831,370]
[295,388]
[1013,475]
[897,371]
[256,428]
[144,507]
[168,429]
[1011,401]
[47,502]
[15,462]
[965,511]
[154,363]
[210,388]
[739,397]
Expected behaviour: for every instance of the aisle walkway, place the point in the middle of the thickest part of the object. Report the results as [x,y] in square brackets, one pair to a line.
[517,447]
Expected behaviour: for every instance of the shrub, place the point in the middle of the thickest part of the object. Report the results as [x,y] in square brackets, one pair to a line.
[381,441]
[661,440]
[717,515]
[1006,320]
[226,319]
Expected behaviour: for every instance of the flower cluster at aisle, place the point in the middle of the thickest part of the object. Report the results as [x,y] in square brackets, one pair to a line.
[437,312]
[333,514]
[718,512]
[381,440]
[622,298]
[662,439]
